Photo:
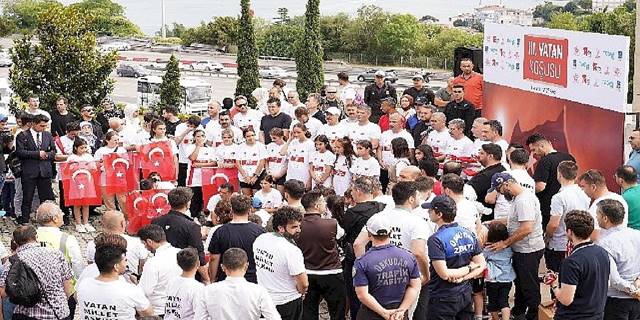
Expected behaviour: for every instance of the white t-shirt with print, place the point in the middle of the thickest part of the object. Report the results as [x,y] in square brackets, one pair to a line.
[275,162]
[405,227]
[226,154]
[439,141]
[183,151]
[135,252]
[271,199]
[251,118]
[461,147]
[313,125]
[338,131]
[250,157]
[214,134]
[299,155]
[319,161]
[342,175]
[369,167]
[194,175]
[182,296]
[385,143]
[116,300]
[367,132]
[278,261]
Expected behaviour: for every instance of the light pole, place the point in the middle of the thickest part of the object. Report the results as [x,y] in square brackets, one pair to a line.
[163,29]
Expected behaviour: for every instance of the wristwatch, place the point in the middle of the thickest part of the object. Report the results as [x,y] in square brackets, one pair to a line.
[554,287]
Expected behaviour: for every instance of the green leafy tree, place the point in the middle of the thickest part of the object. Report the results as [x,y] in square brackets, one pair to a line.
[309,55]
[545,10]
[402,34]
[283,15]
[563,20]
[171,94]
[109,18]
[428,19]
[247,53]
[279,40]
[221,32]
[25,13]
[7,26]
[333,30]
[65,61]
[629,5]
[176,30]
[363,36]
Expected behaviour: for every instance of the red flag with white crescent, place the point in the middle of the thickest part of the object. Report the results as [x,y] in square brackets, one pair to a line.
[81,183]
[158,202]
[138,206]
[213,178]
[121,173]
[158,157]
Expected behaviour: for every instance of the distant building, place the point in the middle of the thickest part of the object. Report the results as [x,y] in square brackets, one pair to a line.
[601,5]
[495,14]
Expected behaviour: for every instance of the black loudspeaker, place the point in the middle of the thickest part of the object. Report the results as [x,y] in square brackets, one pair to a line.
[475,54]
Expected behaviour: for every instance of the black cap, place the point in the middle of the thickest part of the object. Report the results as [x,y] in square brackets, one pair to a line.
[441,203]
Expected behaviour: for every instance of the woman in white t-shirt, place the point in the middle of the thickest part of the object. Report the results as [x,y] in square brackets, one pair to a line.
[298,149]
[81,153]
[226,153]
[343,164]
[107,293]
[158,134]
[321,162]
[366,164]
[250,162]
[200,156]
[401,154]
[112,145]
[276,163]
[270,197]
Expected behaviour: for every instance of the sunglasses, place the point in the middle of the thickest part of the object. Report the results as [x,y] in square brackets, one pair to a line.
[87,110]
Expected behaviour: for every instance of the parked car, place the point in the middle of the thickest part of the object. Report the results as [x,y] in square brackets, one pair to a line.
[272,72]
[158,64]
[369,75]
[129,70]
[207,65]
[117,46]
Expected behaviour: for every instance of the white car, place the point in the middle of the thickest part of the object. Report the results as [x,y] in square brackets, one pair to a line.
[207,65]
[117,46]
[272,72]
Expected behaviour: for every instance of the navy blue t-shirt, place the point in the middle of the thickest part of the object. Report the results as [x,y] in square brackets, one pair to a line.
[387,271]
[587,268]
[457,246]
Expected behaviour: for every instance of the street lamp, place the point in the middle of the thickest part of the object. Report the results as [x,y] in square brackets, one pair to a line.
[163,29]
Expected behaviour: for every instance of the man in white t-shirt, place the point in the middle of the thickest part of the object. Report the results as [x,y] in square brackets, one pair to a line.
[183,291]
[214,131]
[594,185]
[365,130]
[333,129]
[294,103]
[280,264]
[385,152]
[467,214]
[235,297]
[460,145]
[246,117]
[160,269]
[183,139]
[302,116]
[346,91]
[492,132]
[518,159]
[439,138]
[34,108]
[476,131]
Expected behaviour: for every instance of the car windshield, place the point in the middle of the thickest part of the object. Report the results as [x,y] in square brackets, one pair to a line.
[198,94]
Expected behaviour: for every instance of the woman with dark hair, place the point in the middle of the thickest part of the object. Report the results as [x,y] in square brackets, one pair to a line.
[298,149]
[276,164]
[200,156]
[422,152]
[270,197]
[81,153]
[321,162]
[110,145]
[406,109]
[342,166]
[250,161]
[401,154]
[159,133]
[366,164]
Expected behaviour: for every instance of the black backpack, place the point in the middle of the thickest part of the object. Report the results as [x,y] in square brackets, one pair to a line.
[22,284]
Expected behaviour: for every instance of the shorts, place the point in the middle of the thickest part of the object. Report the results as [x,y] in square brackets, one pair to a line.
[498,294]
[256,185]
[477,285]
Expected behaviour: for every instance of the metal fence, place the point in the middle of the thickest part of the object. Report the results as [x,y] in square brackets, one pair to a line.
[392,60]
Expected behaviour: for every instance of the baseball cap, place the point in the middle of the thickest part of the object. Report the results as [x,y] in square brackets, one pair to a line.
[421,100]
[3,118]
[256,203]
[440,203]
[334,111]
[379,225]
[498,179]
[380,73]
[417,77]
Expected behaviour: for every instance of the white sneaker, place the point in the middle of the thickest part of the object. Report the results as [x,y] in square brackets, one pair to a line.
[89,228]
[80,228]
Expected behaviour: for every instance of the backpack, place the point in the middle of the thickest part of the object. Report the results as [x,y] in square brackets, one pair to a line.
[14,164]
[22,284]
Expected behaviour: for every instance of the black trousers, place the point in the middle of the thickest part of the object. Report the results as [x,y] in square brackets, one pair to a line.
[291,310]
[331,288]
[29,185]
[68,212]
[182,174]
[384,180]
[196,202]
[622,309]
[527,296]
[422,307]
[554,259]
[451,308]
[354,303]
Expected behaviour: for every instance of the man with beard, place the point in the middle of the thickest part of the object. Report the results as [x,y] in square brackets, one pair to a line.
[419,89]
[214,133]
[420,124]
[375,92]
[280,263]
[524,223]
[489,157]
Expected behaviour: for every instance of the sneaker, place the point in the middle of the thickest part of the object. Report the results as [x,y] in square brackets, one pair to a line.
[80,228]
[89,228]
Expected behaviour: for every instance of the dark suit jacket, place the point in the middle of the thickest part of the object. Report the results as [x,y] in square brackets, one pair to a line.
[29,154]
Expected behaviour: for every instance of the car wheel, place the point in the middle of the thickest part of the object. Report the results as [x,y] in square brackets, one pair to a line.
[135,75]
[192,67]
[361,78]
[119,74]
[207,69]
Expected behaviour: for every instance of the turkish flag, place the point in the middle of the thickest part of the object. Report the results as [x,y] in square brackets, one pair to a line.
[121,173]
[137,208]
[213,178]
[158,157]
[81,183]
[158,202]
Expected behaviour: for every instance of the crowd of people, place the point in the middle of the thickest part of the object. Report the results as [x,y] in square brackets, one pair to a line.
[385,206]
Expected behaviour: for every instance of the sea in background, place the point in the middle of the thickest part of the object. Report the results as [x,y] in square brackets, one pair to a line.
[146,13]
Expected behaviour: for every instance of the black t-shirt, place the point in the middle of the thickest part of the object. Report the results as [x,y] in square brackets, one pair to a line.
[588,269]
[481,184]
[236,235]
[424,92]
[268,122]
[171,127]
[546,171]
[59,123]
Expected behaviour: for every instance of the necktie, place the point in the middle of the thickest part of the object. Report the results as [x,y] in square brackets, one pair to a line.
[39,141]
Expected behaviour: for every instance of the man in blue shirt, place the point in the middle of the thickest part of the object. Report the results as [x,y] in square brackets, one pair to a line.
[387,278]
[456,257]
[634,156]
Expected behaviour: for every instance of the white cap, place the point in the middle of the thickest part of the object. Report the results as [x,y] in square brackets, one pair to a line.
[334,111]
[379,225]
[380,73]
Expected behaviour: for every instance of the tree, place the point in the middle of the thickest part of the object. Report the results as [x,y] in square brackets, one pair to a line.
[25,13]
[309,56]
[545,10]
[402,34]
[363,35]
[585,4]
[109,18]
[176,30]
[428,19]
[279,40]
[7,26]
[283,15]
[171,94]
[333,30]
[629,5]
[65,61]
[564,20]
[247,53]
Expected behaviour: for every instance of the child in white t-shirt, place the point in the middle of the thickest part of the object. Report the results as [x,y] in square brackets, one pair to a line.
[82,153]
[321,163]
[182,291]
[366,164]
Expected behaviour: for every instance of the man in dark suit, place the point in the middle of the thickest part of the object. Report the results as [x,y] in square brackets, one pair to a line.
[36,150]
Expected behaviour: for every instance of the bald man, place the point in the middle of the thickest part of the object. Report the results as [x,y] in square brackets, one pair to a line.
[410,173]
[113,222]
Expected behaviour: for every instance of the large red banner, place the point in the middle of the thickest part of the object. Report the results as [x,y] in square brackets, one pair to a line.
[121,173]
[545,59]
